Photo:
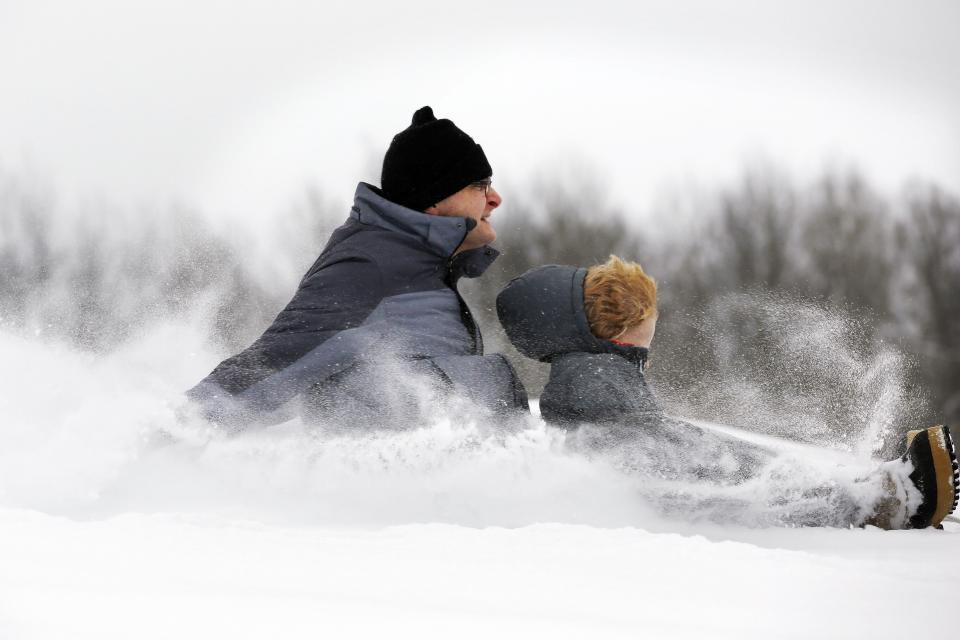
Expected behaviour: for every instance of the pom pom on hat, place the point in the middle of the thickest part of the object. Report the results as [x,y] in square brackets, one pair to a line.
[423,115]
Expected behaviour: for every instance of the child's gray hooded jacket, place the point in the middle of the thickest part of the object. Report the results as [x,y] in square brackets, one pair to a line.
[591,380]
[598,389]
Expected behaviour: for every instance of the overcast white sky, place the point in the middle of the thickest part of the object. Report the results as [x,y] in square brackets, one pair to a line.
[235,106]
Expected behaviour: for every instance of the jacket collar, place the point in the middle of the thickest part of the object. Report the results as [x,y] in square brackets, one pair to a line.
[636,355]
[472,263]
[441,234]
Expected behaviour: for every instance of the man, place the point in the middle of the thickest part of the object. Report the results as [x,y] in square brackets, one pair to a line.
[384,290]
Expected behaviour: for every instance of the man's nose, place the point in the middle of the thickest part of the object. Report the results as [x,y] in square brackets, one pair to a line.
[493,198]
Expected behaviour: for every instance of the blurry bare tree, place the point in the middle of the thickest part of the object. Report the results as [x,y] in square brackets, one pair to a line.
[26,260]
[754,234]
[847,235]
[745,244]
[929,245]
[98,278]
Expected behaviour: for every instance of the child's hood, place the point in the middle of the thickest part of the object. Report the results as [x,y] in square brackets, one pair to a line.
[542,312]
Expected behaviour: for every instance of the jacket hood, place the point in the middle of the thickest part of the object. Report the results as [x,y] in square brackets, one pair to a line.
[543,314]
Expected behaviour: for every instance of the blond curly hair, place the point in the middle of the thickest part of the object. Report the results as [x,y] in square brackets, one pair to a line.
[618,296]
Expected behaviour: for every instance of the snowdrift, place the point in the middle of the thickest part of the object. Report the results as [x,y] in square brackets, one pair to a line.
[455,528]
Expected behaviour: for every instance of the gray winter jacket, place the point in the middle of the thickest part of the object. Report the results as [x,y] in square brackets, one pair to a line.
[591,380]
[382,292]
[597,387]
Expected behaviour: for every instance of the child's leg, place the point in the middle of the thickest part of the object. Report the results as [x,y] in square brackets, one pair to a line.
[675,450]
[702,474]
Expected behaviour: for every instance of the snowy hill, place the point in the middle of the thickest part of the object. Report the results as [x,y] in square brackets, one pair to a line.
[162,576]
[450,530]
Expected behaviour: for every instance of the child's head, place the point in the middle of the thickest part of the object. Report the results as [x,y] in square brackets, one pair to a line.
[620,301]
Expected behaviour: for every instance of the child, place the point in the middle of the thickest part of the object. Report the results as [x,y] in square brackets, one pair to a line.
[595,327]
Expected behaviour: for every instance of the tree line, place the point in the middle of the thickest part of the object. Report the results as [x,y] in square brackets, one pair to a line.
[817,311]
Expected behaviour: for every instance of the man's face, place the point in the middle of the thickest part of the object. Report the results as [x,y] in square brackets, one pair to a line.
[471,202]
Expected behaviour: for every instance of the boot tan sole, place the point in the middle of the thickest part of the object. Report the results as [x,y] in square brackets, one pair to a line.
[944,462]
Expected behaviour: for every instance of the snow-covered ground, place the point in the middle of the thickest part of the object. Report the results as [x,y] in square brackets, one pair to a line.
[454,529]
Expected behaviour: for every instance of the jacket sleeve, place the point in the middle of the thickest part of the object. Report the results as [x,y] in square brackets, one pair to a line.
[339,293]
[316,335]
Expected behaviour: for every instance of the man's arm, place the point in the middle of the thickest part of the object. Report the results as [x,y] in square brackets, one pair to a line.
[302,346]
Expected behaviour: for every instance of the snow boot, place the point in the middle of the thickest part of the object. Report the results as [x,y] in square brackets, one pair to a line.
[935,474]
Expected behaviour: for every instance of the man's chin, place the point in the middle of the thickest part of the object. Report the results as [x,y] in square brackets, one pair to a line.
[477,241]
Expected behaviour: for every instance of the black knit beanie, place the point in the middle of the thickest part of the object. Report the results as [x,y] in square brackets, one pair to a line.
[430,160]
